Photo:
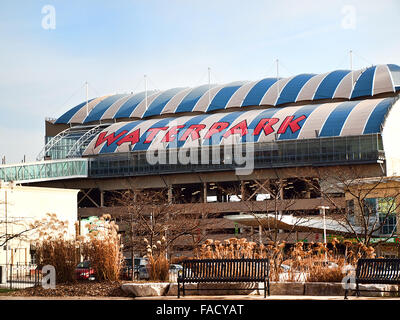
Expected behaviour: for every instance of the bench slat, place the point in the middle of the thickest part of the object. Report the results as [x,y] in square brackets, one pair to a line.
[378,271]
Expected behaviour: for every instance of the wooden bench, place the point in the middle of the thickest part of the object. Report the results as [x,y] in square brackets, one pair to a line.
[224,271]
[376,271]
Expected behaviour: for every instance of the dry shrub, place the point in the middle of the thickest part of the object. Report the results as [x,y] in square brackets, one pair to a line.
[55,248]
[103,249]
[320,264]
[158,266]
[307,262]
[235,248]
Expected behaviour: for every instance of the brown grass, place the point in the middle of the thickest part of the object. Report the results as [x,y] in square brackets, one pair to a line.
[101,247]
[54,248]
[158,266]
[308,260]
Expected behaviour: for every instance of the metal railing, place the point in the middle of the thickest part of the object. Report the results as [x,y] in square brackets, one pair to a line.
[20,276]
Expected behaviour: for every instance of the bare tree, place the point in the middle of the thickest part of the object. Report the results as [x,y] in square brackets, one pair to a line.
[150,215]
[12,228]
[370,202]
[274,206]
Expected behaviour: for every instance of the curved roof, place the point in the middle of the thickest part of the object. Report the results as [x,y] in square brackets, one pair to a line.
[270,92]
[347,118]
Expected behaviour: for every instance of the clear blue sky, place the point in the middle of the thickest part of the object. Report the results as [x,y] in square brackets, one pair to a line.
[112,44]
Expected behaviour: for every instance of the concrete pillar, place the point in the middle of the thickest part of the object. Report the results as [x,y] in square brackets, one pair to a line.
[101,198]
[243,190]
[170,195]
[281,186]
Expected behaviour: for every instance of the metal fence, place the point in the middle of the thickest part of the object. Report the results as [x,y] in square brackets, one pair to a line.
[20,276]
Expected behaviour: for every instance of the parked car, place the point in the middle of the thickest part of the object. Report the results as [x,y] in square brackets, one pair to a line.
[329,264]
[174,271]
[84,271]
[285,267]
[127,268]
[175,267]
[290,274]
[143,273]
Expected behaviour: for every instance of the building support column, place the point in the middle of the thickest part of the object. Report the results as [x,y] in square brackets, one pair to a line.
[101,198]
[242,190]
[170,195]
[205,192]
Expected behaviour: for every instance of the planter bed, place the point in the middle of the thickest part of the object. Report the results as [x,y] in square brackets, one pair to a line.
[277,289]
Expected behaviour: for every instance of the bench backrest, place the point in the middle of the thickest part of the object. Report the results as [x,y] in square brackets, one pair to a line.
[378,269]
[223,269]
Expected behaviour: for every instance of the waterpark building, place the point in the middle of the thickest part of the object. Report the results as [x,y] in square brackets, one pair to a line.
[289,126]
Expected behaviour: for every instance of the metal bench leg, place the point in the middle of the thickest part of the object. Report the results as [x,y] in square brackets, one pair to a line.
[265,289]
[183,288]
[345,294]
[357,290]
[268,288]
[179,291]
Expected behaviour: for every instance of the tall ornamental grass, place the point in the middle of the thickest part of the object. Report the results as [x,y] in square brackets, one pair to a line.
[55,247]
[313,262]
[101,246]
[158,264]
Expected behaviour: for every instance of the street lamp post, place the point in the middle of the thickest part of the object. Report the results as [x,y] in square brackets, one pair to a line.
[6,218]
[322,210]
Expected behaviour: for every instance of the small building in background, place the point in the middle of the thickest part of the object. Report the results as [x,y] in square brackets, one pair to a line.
[22,205]
[380,197]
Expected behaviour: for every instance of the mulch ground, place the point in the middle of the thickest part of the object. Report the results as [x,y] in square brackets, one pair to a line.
[102,289]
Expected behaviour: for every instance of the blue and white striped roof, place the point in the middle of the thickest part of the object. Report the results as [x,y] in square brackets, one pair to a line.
[348,118]
[269,92]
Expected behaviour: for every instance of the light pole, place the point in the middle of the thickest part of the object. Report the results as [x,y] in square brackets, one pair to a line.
[6,218]
[322,210]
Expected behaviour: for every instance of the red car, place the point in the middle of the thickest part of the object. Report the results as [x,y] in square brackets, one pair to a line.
[84,271]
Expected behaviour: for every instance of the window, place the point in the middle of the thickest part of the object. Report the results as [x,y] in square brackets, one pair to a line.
[389,225]
[370,207]
[382,209]
[350,211]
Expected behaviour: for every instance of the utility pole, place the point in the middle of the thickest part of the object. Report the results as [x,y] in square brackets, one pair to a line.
[5,203]
[87,98]
[145,89]
[351,68]
[322,210]
[209,86]
[277,76]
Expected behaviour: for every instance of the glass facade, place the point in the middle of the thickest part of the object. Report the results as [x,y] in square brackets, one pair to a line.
[381,211]
[285,153]
[40,171]
[61,149]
